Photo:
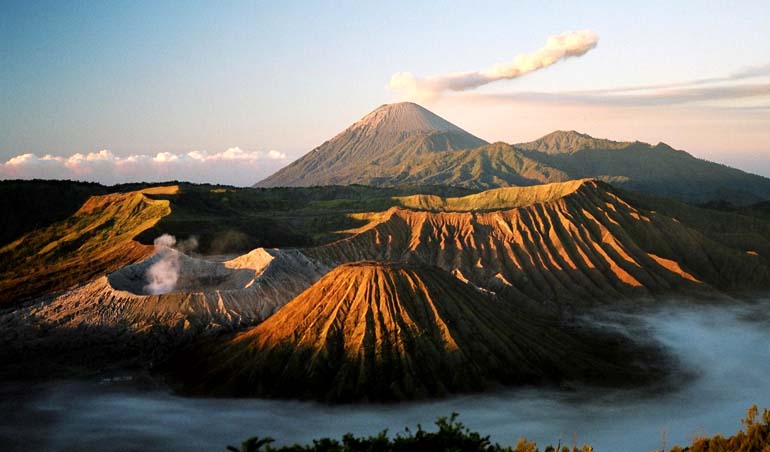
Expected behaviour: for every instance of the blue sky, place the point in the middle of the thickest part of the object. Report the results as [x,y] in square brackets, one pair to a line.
[140,78]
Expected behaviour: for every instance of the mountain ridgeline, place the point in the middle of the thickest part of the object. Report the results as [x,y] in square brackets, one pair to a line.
[481,288]
[404,143]
[462,266]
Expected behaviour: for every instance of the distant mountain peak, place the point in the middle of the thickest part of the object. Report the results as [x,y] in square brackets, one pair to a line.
[567,135]
[404,118]
[569,142]
[376,147]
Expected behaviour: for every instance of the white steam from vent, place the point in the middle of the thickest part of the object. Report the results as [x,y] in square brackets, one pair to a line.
[162,276]
[557,47]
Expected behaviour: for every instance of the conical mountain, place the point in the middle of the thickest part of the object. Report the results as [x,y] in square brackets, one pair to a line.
[405,144]
[384,331]
[375,148]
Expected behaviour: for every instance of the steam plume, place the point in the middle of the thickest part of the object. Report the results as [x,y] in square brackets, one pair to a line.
[163,275]
[557,47]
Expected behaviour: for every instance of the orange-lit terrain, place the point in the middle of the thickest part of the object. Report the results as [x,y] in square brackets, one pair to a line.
[482,278]
[361,293]
[304,226]
[373,331]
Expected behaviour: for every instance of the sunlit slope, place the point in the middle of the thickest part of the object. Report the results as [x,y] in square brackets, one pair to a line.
[224,220]
[383,331]
[495,199]
[368,151]
[35,204]
[97,239]
[577,242]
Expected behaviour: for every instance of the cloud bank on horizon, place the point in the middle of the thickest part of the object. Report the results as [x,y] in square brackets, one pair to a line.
[233,166]
[558,47]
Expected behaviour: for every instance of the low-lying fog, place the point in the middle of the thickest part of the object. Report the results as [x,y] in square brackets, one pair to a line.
[729,350]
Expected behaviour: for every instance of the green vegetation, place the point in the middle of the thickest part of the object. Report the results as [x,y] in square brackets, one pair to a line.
[451,435]
[745,228]
[235,220]
[64,236]
[96,239]
[495,199]
[35,204]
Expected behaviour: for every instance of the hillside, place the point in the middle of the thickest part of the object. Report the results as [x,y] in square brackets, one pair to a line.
[579,239]
[376,331]
[659,169]
[35,204]
[406,144]
[223,220]
[369,150]
[561,245]
[556,249]
[96,239]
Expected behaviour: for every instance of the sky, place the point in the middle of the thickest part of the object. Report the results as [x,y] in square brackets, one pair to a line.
[229,92]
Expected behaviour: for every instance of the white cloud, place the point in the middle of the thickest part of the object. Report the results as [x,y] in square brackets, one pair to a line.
[233,166]
[276,155]
[557,47]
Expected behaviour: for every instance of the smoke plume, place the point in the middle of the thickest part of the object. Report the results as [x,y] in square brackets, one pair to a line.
[557,47]
[163,275]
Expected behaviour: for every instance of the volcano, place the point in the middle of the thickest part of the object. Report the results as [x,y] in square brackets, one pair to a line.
[375,148]
[379,331]
[404,144]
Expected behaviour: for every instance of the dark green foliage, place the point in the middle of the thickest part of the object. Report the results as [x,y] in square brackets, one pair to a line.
[26,205]
[235,220]
[451,435]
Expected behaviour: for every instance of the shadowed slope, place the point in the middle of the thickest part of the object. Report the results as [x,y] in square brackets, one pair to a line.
[659,169]
[383,331]
[35,204]
[97,239]
[489,166]
[370,149]
[577,243]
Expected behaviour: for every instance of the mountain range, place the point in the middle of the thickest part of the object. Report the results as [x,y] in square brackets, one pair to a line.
[462,266]
[404,143]
[529,256]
